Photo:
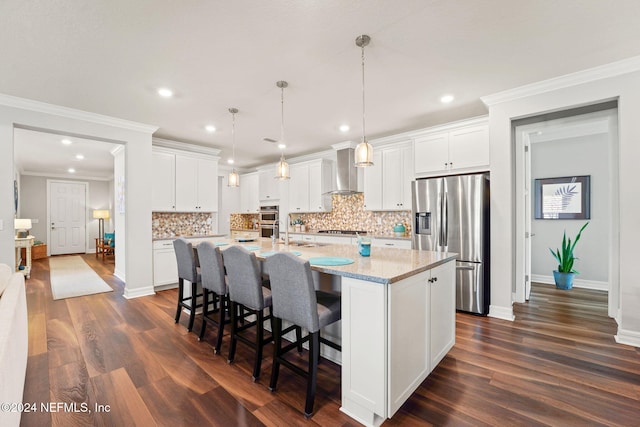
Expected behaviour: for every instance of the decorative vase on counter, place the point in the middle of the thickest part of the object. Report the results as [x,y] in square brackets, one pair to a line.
[399,230]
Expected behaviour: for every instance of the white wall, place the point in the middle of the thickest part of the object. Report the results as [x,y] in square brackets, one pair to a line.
[33,204]
[585,155]
[137,141]
[560,94]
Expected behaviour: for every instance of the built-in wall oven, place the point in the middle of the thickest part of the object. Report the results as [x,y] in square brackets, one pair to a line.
[268,222]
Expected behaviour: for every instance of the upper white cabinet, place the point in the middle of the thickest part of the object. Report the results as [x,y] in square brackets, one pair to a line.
[308,187]
[268,185]
[249,200]
[196,184]
[184,182]
[455,148]
[163,190]
[387,184]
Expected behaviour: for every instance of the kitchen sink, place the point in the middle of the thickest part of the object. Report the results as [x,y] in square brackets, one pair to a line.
[306,244]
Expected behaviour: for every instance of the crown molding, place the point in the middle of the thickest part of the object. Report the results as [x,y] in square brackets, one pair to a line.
[613,69]
[72,113]
[183,146]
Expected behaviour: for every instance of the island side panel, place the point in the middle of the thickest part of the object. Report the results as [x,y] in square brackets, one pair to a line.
[364,350]
[409,337]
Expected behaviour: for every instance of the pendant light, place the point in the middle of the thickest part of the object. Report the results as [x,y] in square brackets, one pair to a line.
[364,151]
[234,178]
[282,171]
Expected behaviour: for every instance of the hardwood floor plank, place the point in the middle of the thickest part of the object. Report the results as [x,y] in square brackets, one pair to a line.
[219,408]
[118,402]
[38,378]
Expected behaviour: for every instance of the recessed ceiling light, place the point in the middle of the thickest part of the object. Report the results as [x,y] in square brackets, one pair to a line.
[210,128]
[230,161]
[445,99]
[66,141]
[71,170]
[282,146]
[344,128]
[79,156]
[165,92]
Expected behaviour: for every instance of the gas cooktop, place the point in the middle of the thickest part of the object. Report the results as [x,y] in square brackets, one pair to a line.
[342,232]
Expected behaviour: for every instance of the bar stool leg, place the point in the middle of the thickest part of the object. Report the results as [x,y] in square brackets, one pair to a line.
[205,311]
[259,338]
[277,338]
[192,313]
[314,354]
[234,327]
[180,293]
[224,304]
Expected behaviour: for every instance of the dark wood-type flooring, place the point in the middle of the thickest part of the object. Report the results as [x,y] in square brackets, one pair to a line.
[557,364]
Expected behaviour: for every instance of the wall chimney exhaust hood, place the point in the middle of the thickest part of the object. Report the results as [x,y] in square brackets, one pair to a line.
[348,176]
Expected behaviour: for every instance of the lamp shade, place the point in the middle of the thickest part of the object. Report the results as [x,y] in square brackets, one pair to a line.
[22,224]
[101,214]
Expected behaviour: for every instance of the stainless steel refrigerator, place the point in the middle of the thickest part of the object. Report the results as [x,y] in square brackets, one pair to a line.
[451,214]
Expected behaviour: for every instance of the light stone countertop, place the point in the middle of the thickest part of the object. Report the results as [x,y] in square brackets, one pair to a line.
[385,265]
[190,236]
[373,236]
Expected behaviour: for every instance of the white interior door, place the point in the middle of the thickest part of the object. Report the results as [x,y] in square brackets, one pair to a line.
[527,217]
[67,217]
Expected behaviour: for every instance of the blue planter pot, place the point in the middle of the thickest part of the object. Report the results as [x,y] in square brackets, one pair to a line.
[563,280]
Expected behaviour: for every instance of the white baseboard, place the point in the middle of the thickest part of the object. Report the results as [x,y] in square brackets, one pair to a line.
[628,337]
[138,292]
[505,313]
[577,283]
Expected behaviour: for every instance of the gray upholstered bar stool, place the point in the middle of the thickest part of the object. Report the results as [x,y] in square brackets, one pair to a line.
[214,286]
[296,300]
[248,297]
[187,270]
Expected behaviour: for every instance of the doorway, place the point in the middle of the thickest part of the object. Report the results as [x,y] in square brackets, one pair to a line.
[575,142]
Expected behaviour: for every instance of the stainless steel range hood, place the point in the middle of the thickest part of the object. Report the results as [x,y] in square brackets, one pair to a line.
[347,173]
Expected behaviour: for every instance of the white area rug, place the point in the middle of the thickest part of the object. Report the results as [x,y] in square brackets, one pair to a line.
[72,277]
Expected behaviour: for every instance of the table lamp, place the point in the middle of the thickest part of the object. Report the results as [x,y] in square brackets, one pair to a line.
[101,215]
[22,227]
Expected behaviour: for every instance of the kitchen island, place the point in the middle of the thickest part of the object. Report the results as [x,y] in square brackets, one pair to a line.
[398,319]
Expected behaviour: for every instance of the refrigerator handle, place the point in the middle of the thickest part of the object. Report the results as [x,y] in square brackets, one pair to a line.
[445,217]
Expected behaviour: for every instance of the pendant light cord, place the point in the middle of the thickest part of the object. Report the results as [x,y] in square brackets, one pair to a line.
[282,121]
[363,104]
[233,135]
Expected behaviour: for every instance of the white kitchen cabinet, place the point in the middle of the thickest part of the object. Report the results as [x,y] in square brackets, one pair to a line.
[458,149]
[165,266]
[443,313]
[298,237]
[391,243]
[196,184]
[397,174]
[249,199]
[373,184]
[163,194]
[308,187]
[387,184]
[335,239]
[268,185]
[419,338]
[184,182]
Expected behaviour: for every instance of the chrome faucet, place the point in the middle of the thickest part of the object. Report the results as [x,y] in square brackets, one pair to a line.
[286,230]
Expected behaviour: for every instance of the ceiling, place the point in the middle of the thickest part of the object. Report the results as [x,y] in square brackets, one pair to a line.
[111,57]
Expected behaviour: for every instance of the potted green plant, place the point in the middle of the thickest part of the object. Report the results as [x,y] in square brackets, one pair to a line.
[565,273]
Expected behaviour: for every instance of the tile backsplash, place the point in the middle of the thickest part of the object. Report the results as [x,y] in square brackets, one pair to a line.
[170,224]
[349,214]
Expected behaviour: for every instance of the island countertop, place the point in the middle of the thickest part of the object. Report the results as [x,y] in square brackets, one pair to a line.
[385,265]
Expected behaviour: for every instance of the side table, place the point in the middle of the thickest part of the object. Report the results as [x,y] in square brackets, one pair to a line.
[27,243]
